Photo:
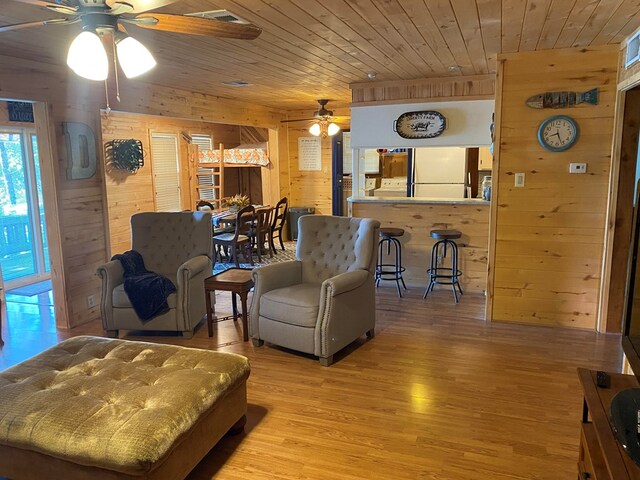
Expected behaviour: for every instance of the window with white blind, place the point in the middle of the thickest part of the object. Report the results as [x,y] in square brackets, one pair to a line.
[204,142]
[166,180]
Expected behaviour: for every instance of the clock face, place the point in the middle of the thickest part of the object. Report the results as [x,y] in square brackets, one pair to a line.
[558,133]
[426,124]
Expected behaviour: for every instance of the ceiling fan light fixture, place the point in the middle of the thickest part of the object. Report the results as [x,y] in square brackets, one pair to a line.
[134,58]
[87,57]
[332,129]
[315,130]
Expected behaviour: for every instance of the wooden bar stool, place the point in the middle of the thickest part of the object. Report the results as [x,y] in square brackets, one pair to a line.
[440,274]
[390,271]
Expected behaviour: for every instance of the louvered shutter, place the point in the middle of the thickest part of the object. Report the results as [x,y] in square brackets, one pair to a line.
[204,142]
[166,181]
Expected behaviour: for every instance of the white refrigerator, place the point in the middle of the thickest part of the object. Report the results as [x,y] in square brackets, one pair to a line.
[439,172]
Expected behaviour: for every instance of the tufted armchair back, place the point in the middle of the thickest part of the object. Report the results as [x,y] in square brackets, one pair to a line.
[328,246]
[168,239]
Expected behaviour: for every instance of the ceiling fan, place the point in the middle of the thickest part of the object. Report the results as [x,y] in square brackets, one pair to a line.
[87,56]
[323,125]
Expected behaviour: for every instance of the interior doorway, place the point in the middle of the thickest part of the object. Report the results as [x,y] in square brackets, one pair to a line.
[624,178]
[23,242]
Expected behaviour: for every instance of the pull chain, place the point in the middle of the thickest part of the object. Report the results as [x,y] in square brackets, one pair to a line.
[106,94]
[115,64]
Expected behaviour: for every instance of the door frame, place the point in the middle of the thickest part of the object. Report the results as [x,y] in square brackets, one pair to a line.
[337,174]
[27,133]
[618,233]
[47,152]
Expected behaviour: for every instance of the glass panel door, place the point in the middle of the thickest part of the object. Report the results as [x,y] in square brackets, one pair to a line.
[23,256]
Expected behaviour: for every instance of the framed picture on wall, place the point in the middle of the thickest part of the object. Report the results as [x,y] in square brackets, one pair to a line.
[310,154]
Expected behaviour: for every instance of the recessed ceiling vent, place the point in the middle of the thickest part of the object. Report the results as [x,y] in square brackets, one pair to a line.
[221,15]
[237,83]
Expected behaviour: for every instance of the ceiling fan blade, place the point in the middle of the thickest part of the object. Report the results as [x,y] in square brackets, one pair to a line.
[299,120]
[63,9]
[43,3]
[118,8]
[20,26]
[200,26]
[139,21]
[139,6]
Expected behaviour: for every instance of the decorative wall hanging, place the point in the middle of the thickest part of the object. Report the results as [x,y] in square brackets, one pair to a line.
[309,154]
[558,133]
[424,124]
[20,112]
[81,149]
[563,99]
[124,155]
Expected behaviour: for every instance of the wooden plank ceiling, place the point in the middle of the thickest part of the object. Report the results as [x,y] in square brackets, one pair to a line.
[313,49]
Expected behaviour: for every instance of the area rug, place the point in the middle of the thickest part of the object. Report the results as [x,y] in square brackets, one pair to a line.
[31,290]
[289,253]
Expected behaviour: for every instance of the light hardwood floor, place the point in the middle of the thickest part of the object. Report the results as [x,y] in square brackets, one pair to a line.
[437,394]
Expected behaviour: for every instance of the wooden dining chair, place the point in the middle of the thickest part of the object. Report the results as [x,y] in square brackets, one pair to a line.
[261,231]
[239,239]
[277,223]
[204,205]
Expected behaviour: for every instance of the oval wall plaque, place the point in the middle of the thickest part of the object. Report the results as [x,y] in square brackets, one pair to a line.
[424,124]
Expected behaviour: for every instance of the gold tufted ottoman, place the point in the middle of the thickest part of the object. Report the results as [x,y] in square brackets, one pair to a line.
[97,408]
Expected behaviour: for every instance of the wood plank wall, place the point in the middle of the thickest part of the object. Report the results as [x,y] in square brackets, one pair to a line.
[128,193]
[82,202]
[418,220]
[311,189]
[546,245]
[418,90]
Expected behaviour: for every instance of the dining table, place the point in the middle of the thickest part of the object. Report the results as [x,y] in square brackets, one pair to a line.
[228,217]
[224,219]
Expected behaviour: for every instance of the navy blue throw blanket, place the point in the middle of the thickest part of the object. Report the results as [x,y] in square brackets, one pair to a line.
[147,291]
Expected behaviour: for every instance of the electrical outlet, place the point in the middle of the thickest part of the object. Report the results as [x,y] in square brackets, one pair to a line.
[519,182]
[577,168]
[90,301]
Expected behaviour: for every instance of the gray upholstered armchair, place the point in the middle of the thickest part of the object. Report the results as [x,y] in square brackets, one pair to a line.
[325,299]
[177,245]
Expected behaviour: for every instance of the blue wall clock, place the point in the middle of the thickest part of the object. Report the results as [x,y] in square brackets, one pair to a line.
[558,133]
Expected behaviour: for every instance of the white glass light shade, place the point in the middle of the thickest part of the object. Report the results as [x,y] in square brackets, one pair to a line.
[332,129]
[134,58]
[87,57]
[315,130]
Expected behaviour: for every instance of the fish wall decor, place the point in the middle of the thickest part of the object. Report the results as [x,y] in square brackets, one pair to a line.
[563,99]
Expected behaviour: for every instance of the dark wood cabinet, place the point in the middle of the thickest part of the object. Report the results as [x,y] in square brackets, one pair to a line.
[601,456]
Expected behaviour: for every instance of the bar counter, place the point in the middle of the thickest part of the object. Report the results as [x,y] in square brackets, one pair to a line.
[418,216]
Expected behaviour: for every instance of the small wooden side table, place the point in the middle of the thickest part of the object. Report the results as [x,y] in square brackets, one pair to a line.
[234,280]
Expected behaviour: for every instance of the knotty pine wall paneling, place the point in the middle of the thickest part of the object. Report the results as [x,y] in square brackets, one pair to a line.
[417,220]
[82,203]
[474,87]
[129,193]
[311,189]
[547,254]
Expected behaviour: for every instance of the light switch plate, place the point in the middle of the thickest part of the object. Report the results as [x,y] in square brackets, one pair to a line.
[577,168]
[519,182]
